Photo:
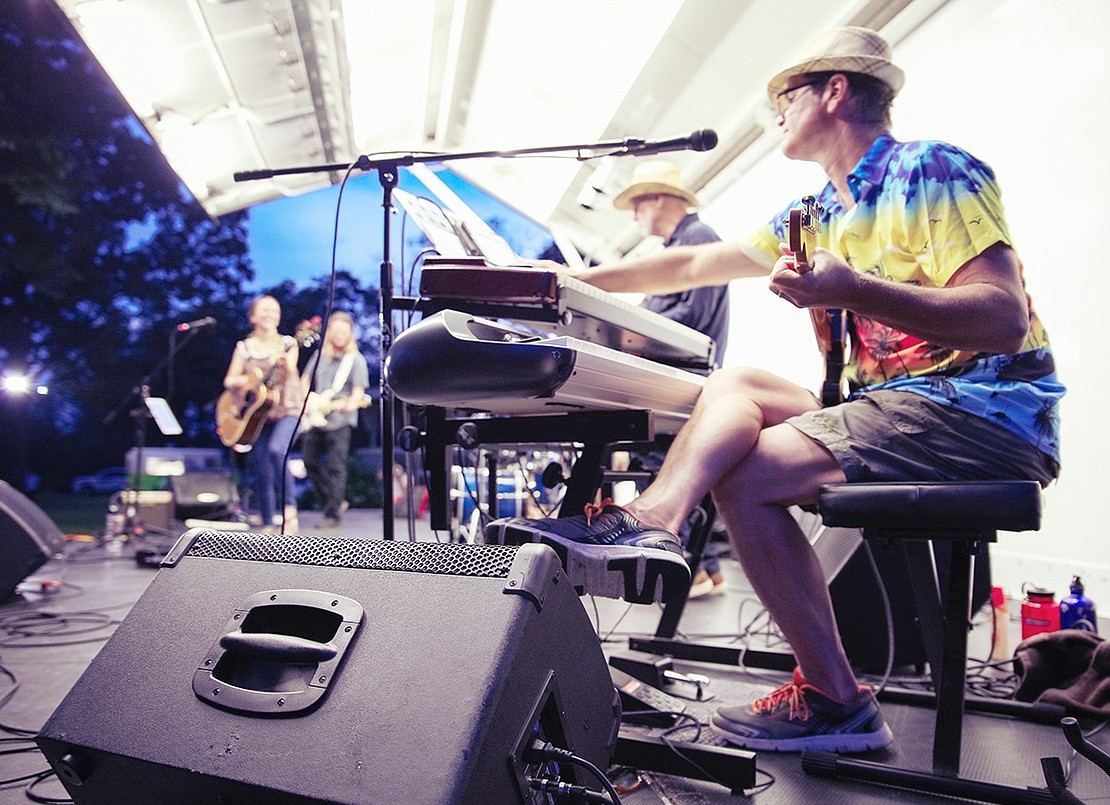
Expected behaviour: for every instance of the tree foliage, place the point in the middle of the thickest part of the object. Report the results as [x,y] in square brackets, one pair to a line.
[102,250]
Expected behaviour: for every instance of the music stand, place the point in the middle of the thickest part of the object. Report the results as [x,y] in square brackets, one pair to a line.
[158,409]
[163,416]
[153,408]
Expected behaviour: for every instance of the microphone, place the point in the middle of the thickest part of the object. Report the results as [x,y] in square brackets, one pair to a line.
[247,176]
[186,326]
[700,140]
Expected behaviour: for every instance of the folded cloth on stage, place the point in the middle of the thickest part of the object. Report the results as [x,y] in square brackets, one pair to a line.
[1069,668]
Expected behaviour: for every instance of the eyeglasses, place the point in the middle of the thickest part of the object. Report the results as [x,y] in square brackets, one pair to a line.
[784,99]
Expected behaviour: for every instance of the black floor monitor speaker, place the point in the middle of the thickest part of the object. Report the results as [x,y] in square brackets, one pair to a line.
[860,614]
[277,669]
[28,538]
[203,495]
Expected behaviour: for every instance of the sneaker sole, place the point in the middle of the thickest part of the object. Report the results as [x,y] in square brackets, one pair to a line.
[845,742]
[638,575]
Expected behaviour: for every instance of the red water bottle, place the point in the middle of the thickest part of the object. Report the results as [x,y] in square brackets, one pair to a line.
[1039,612]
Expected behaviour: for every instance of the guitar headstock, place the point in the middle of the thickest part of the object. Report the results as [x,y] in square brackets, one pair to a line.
[801,229]
[308,332]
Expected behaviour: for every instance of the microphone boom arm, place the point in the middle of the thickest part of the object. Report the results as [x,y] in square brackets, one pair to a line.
[700,140]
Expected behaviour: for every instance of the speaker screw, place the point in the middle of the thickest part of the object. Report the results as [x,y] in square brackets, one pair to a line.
[236,616]
[322,679]
[208,661]
[215,691]
[273,597]
[335,603]
[281,702]
[348,629]
[512,583]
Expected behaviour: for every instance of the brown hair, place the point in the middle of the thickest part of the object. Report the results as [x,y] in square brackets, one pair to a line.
[258,301]
[871,98]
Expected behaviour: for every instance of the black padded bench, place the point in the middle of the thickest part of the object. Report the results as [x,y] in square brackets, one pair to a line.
[968,515]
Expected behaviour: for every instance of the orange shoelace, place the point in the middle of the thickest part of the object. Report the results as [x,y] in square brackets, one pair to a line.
[591,510]
[791,693]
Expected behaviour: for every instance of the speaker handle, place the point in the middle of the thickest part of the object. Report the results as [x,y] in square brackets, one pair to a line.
[279,647]
[279,652]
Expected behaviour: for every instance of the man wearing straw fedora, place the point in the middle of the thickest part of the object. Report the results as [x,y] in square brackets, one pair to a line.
[664,207]
[950,372]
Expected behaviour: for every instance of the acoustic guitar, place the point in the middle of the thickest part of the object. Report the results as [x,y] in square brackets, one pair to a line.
[829,324]
[242,412]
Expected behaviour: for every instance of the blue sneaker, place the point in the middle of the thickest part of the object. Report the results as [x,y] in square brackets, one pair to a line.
[798,716]
[606,552]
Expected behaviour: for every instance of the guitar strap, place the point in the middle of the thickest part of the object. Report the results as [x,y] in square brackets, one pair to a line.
[343,372]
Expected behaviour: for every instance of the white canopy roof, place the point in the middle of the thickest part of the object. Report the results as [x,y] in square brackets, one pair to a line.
[233,85]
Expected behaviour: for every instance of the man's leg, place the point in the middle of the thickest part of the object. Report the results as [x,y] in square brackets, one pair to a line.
[785,468]
[734,407]
[822,707]
[312,452]
[339,446]
[634,553]
[759,466]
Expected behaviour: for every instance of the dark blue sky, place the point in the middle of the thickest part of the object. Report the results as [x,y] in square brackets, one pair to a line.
[291,238]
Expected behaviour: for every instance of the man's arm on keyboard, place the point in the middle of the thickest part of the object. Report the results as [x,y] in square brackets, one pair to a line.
[675,269]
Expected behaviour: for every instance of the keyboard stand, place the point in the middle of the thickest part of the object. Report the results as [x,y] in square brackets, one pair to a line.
[596,431]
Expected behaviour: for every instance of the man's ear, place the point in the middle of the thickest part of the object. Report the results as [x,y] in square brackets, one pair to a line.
[837,90]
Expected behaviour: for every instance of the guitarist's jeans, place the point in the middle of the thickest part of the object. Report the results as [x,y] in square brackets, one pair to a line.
[266,462]
[325,459]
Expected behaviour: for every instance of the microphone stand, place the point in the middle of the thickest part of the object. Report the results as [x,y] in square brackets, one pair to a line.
[175,347]
[132,522]
[388,168]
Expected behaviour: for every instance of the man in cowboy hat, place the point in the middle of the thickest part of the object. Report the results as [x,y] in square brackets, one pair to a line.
[663,206]
[951,377]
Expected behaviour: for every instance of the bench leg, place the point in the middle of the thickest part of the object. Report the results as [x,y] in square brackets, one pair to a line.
[953,672]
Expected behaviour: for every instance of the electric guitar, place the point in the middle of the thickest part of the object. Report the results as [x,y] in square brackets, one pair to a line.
[322,403]
[242,412]
[829,324]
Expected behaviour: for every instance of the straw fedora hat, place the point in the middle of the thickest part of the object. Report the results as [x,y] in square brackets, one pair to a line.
[654,176]
[843,50]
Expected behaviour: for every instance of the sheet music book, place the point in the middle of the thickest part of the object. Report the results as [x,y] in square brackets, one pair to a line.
[449,233]
[433,222]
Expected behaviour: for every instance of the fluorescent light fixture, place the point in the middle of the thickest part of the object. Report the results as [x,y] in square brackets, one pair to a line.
[388,52]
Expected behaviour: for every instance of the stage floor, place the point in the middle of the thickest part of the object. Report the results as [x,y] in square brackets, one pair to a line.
[48,638]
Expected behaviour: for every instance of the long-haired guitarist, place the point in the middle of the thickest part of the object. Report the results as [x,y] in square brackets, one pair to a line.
[331,415]
[263,372]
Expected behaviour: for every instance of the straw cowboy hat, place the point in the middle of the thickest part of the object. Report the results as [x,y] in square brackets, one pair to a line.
[843,50]
[651,177]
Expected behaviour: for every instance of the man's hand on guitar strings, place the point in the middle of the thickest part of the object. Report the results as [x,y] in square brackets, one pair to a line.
[786,263]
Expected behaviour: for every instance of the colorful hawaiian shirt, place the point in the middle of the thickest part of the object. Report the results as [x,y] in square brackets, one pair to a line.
[924,209]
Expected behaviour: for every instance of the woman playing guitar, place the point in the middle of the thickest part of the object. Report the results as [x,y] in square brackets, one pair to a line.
[263,375]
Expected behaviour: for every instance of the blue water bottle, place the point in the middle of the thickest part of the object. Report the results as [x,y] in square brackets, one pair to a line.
[1077,611]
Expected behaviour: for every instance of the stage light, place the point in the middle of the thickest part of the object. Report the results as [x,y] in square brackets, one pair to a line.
[17,384]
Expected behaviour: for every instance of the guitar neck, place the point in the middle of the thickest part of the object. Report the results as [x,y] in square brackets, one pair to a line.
[803,225]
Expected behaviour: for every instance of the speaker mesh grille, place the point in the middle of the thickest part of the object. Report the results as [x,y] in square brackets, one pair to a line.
[450,559]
